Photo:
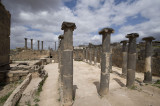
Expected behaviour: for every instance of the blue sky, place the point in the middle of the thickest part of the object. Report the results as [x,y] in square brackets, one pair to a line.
[41,20]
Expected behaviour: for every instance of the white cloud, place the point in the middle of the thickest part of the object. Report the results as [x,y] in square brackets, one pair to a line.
[89,15]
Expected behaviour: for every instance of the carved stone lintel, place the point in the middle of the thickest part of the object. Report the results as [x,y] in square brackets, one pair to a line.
[106,30]
[68,25]
[132,35]
[150,38]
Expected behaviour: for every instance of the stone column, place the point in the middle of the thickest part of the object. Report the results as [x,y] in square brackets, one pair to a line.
[124,56]
[38,44]
[83,54]
[90,56]
[68,28]
[42,44]
[111,60]
[148,59]
[32,44]
[105,61]
[61,37]
[55,45]
[25,43]
[131,66]
[95,56]
[87,55]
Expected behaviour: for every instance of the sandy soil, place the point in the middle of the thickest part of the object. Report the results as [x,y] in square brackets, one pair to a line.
[49,96]
[86,82]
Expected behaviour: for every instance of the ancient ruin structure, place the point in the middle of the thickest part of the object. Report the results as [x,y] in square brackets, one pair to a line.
[5,41]
[131,66]
[68,28]
[95,56]
[38,44]
[42,44]
[148,59]
[31,44]
[90,55]
[55,46]
[25,43]
[124,54]
[61,58]
[105,62]
[86,54]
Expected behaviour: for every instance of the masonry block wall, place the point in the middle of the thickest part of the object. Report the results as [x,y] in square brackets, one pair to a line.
[4,39]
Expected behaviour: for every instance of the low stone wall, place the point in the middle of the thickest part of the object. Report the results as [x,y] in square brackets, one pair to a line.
[15,96]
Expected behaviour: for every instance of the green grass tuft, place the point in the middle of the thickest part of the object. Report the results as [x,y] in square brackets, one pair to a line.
[4,98]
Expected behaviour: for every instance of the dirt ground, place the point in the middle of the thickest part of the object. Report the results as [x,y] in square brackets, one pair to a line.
[50,94]
[86,84]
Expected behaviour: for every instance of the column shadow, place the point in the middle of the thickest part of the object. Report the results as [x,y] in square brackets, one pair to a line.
[119,82]
[97,84]
[74,91]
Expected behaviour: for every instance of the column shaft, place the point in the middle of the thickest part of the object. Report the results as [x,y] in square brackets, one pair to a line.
[105,61]
[131,66]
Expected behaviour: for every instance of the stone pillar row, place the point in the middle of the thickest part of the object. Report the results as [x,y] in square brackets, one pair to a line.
[128,64]
[129,59]
[32,44]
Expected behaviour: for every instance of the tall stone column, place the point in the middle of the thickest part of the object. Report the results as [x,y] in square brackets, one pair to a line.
[32,44]
[55,46]
[61,37]
[25,43]
[90,56]
[84,54]
[105,61]
[87,55]
[148,59]
[42,44]
[95,56]
[124,56]
[68,28]
[38,44]
[131,66]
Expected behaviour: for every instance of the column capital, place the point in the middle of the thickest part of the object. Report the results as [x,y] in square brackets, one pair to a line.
[106,30]
[124,41]
[132,35]
[41,41]
[150,38]
[60,36]
[25,38]
[31,39]
[38,40]
[68,25]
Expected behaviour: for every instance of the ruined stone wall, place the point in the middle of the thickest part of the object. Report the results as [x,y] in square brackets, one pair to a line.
[4,35]
[24,55]
[78,54]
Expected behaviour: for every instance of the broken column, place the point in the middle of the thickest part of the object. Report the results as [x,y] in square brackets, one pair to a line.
[32,44]
[38,44]
[124,56]
[95,56]
[105,61]
[148,59]
[25,43]
[42,44]
[131,66]
[68,28]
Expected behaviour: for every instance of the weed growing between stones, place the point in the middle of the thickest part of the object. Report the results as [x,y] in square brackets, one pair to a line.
[4,98]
